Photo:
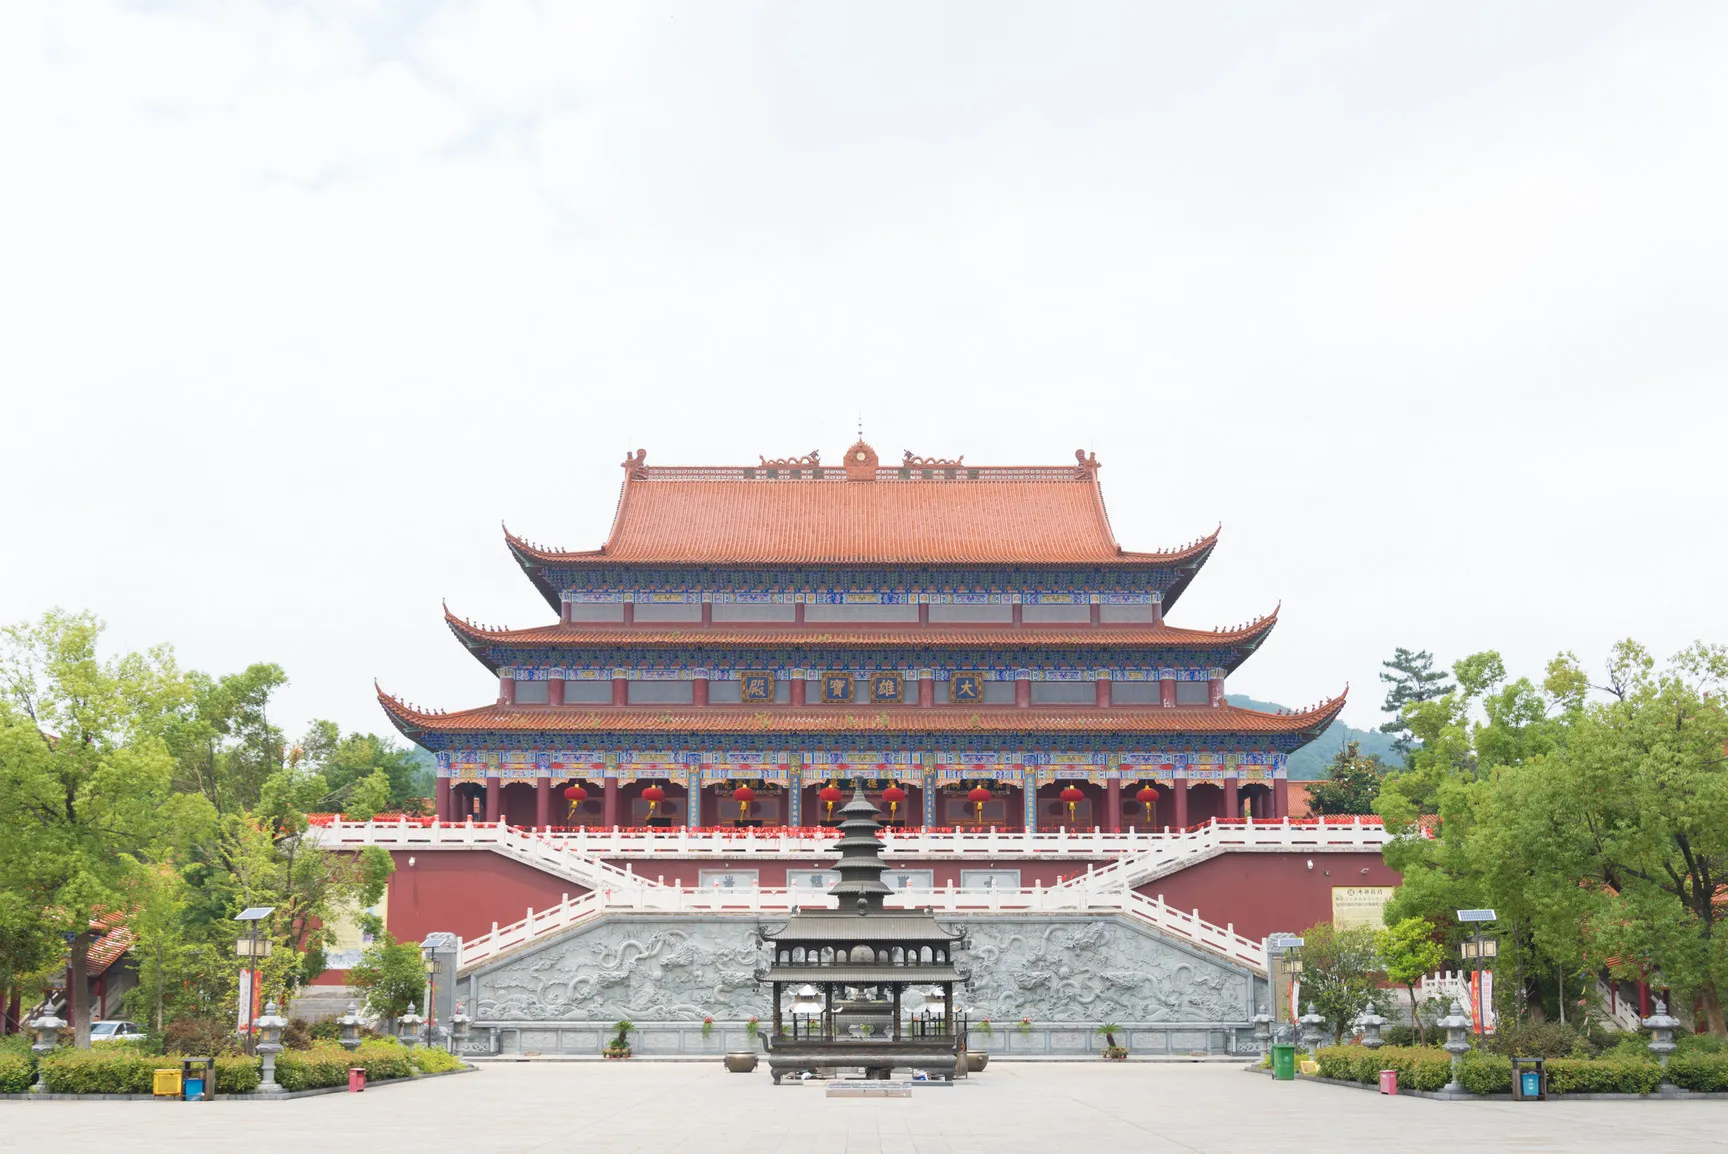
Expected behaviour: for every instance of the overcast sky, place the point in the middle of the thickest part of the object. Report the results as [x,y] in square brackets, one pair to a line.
[1424,303]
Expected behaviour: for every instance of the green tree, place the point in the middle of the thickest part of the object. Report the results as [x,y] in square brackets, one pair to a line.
[85,778]
[368,797]
[392,973]
[1412,679]
[1407,952]
[346,761]
[1337,969]
[1351,785]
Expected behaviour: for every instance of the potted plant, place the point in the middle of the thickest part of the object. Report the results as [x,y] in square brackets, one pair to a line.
[751,1027]
[1025,1027]
[619,1047]
[707,1025]
[1112,1051]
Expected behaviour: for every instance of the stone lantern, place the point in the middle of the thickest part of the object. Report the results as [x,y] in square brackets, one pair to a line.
[270,1026]
[408,1027]
[1263,1029]
[1457,1043]
[47,1028]
[1311,1023]
[1661,1025]
[1371,1023]
[459,1023]
[350,1023]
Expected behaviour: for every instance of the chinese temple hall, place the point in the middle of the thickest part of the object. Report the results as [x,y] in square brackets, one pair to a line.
[969,644]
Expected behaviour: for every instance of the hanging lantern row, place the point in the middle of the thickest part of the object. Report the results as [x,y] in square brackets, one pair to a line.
[829,794]
[743,795]
[575,795]
[893,795]
[978,795]
[1072,796]
[653,795]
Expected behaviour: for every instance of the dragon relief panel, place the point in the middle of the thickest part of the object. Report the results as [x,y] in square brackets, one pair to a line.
[1096,970]
[661,971]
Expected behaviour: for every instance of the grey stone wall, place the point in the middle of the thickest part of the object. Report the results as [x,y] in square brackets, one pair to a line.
[1065,973]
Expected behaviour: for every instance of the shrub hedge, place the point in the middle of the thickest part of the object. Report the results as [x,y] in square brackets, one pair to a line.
[427,1060]
[1418,1068]
[325,1065]
[1487,1073]
[17,1073]
[122,1070]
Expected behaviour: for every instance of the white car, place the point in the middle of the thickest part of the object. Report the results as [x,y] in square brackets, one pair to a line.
[116,1031]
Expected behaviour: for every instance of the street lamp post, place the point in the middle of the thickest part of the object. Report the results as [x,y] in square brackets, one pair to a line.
[248,947]
[1477,949]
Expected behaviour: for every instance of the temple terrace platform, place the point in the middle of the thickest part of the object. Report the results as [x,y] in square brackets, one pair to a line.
[647,1106]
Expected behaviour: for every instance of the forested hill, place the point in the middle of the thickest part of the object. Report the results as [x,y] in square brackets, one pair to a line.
[1309,763]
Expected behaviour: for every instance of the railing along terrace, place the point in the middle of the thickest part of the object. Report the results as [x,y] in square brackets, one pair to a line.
[940,841]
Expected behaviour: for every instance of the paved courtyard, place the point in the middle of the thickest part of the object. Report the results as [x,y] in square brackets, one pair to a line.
[1045,1107]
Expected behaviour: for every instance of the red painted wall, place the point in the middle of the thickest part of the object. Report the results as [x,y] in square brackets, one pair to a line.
[465,891]
[1263,893]
[1259,893]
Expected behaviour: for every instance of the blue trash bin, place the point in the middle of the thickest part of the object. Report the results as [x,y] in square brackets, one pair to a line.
[1531,1083]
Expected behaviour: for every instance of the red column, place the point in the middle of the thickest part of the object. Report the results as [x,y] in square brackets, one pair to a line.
[1167,692]
[798,683]
[492,791]
[1096,613]
[798,613]
[609,802]
[1103,689]
[707,612]
[555,691]
[926,689]
[1232,804]
[1181,803]
[1113,805]
[542,802]
[1022,691]
[441,799]
[1018,619]
[506,690]
[923,613]
[1158,612]
[629,612]
[699,691]
[1215,688]
[1280,799]
[620,691]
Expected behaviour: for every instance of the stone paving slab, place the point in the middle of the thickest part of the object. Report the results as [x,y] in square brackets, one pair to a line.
[674,1108]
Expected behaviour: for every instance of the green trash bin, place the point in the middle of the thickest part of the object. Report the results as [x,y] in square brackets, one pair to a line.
[1283,1062]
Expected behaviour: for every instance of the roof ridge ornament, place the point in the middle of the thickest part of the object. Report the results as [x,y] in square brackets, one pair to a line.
[812,459]
[1088,463]
[635,465]
[861,461]
[910,460]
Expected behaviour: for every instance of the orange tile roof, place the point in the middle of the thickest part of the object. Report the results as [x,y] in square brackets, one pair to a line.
[799,513]
[860,718]
[936,636]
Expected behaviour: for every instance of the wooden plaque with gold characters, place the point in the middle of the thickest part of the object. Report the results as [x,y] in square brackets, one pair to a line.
[886,689]
[966,688]
[756,688]
[836,689]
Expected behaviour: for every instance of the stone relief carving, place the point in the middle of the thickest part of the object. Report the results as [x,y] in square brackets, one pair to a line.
[655,971]
[666,969]
[1095,970]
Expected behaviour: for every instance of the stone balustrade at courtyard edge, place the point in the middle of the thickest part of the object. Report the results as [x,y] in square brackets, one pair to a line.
[663,763]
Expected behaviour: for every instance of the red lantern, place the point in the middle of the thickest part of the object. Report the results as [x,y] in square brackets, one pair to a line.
[575,795]
[830,794]
[743,795]
[653,795]
[1071,795]
[978,795]
[1147,796]
[893,795]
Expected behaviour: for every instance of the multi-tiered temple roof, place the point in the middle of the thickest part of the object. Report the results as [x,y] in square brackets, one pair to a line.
[968,615]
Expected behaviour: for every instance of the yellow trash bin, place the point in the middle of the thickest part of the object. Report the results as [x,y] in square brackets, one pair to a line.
[166,1084]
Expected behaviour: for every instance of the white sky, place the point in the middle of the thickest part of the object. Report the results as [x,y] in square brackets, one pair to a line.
[1425,303]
